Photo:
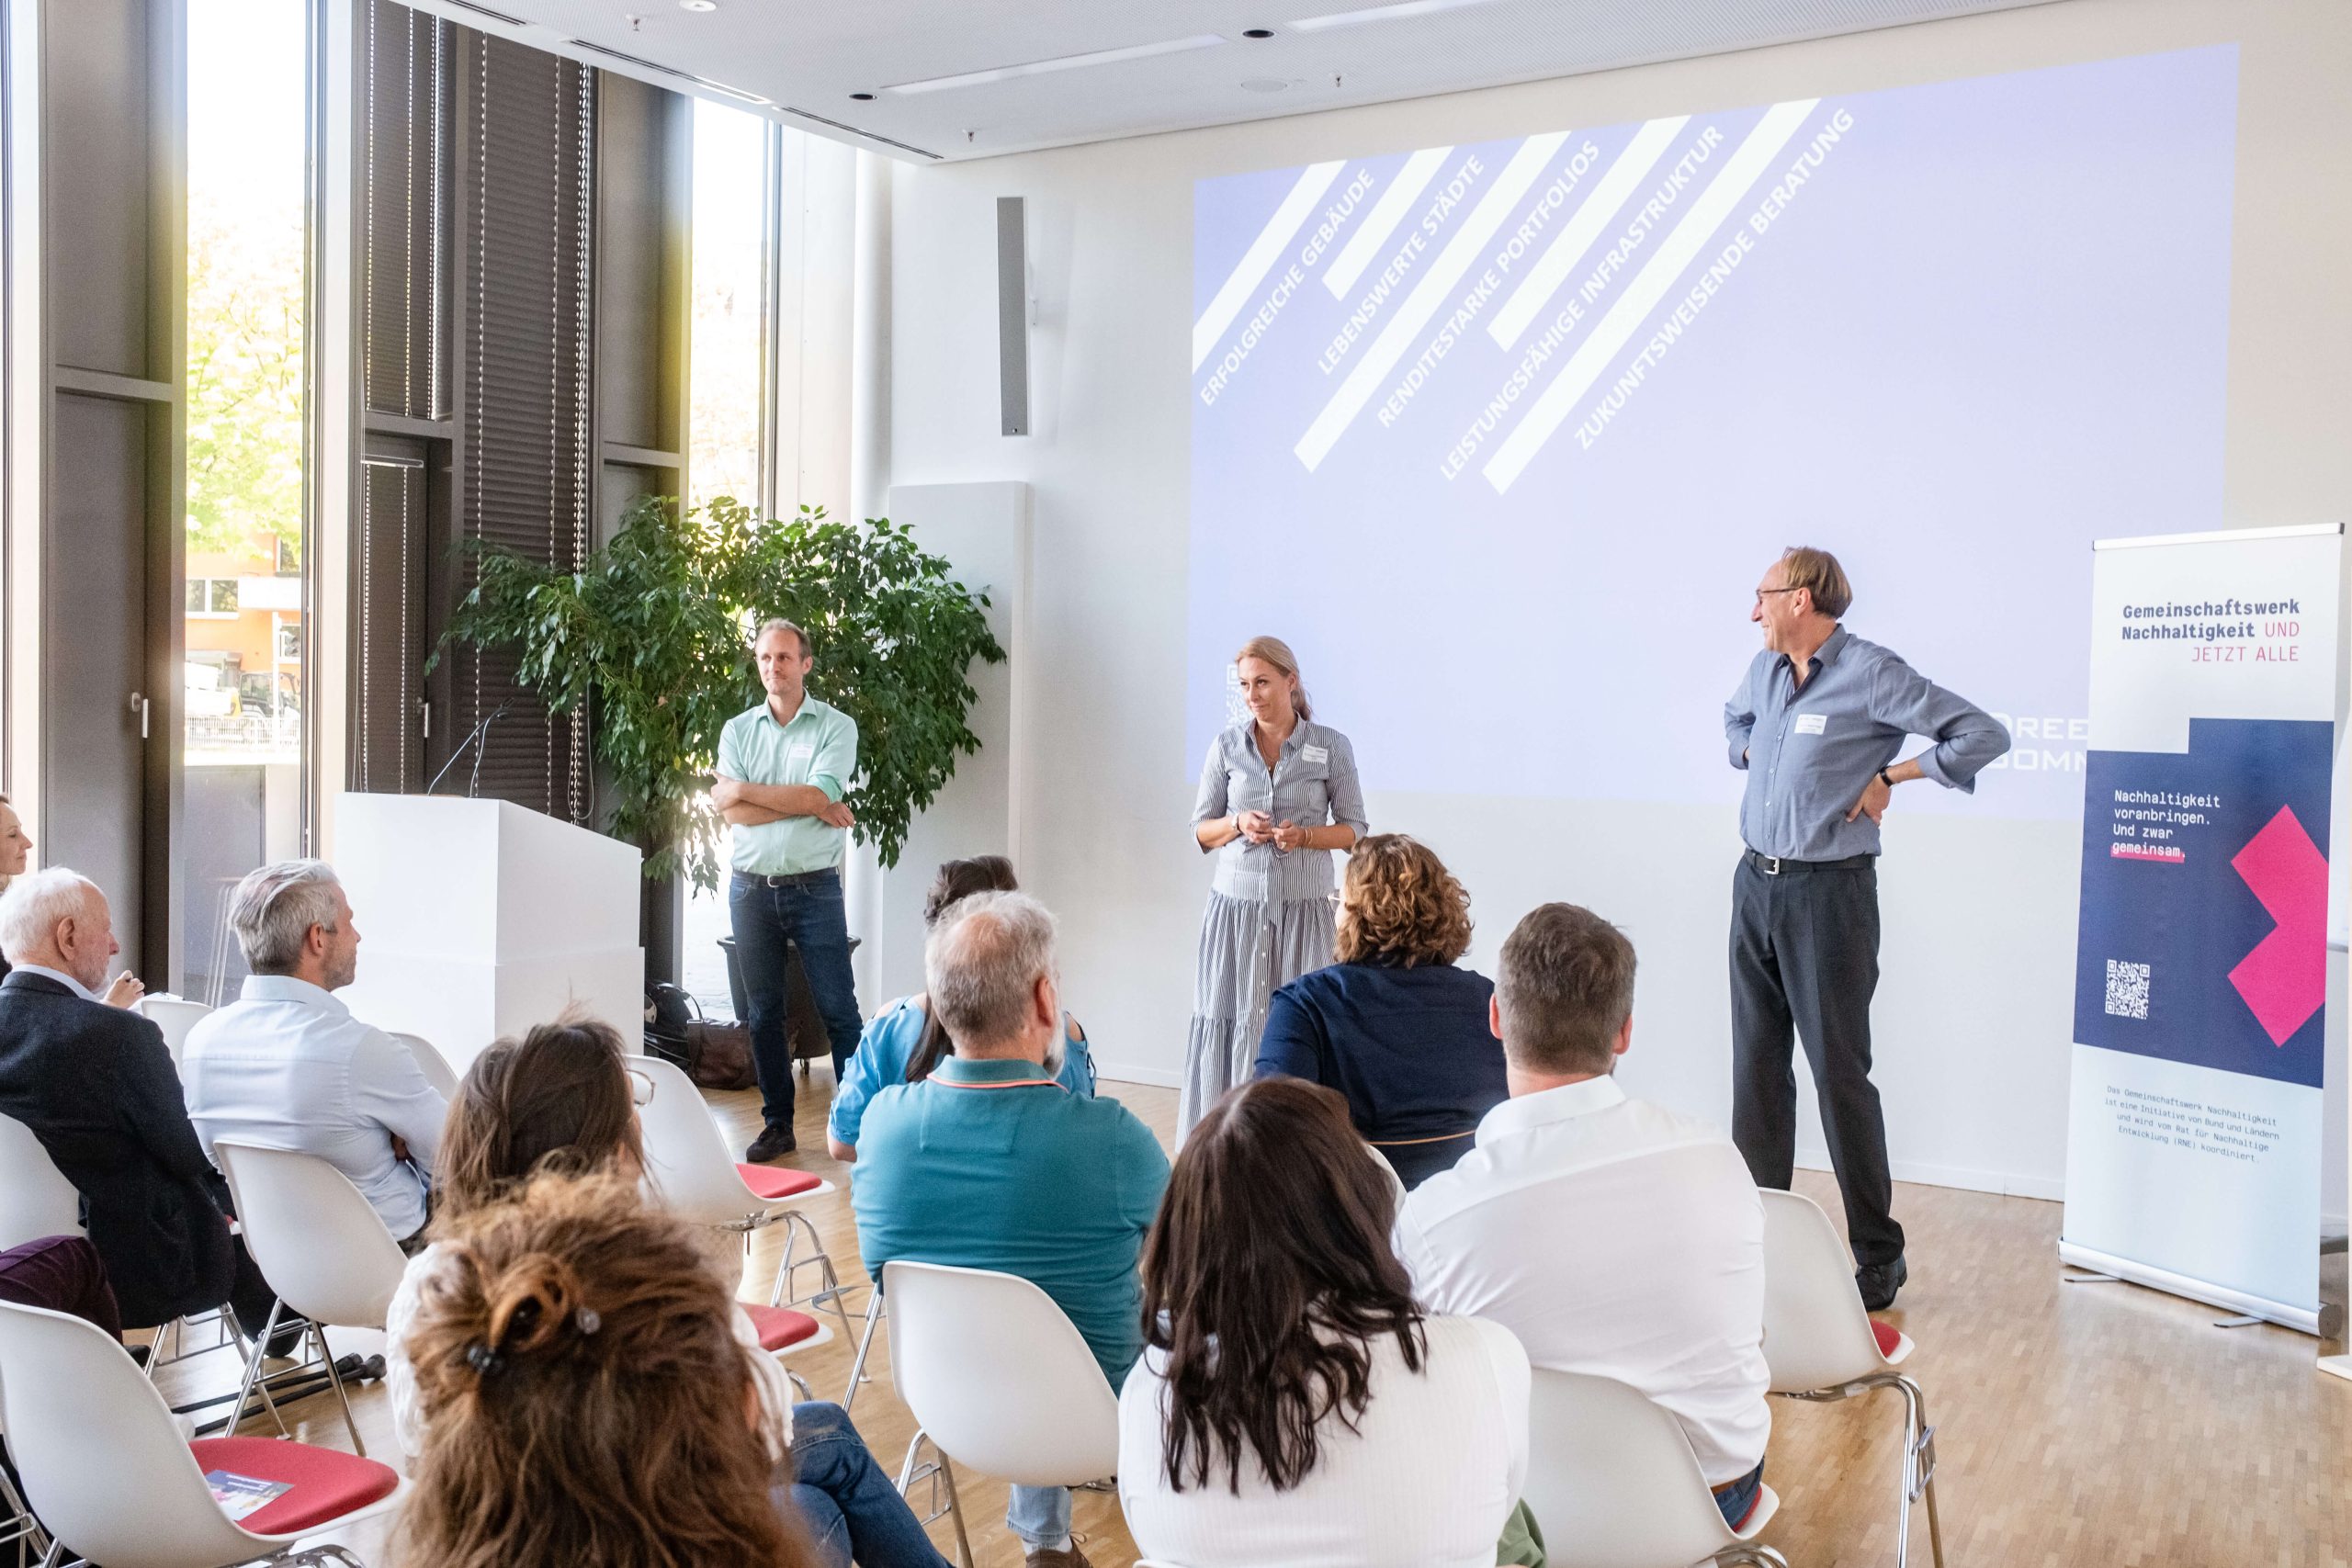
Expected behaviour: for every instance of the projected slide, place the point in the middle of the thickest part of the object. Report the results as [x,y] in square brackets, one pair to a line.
[1501,436]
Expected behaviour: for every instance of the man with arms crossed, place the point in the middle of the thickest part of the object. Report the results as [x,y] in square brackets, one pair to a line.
[783,769]
[1816,723]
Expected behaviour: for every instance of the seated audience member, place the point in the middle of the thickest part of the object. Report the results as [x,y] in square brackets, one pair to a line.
[96,1085]
[1393,1024]
[15,853]
[560,1100]
[905,1040]
[287,1066]
[1292,1407]
[586,1401]
[989,1163]
[1613,1237]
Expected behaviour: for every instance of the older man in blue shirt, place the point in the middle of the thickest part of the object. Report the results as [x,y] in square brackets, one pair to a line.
[989,1163]
[1816,723]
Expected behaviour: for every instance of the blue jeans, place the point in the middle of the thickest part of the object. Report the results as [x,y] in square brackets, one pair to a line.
[1738,1498]
[1038,1515]
[770,922]
[844,1501]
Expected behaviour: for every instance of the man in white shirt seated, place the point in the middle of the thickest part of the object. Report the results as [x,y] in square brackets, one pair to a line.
[1613,1237]
[287,1066]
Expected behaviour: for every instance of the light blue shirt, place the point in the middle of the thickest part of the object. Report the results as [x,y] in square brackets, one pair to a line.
[889,1044]
[1313,783]
[818,747]
[1810,753]
[992,1165]
[285,1066]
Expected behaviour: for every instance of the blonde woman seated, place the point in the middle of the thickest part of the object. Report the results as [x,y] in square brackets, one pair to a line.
[1293,1407]
[1393,1025]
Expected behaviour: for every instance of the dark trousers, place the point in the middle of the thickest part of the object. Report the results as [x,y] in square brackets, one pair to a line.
[770,922]
[1803,963]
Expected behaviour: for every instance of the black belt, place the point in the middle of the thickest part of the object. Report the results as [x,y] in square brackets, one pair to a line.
[797,879]
[1774,865]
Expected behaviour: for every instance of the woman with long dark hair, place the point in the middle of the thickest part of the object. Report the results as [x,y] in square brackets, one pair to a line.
[1292,1407]
[560,1100]
[904,1042]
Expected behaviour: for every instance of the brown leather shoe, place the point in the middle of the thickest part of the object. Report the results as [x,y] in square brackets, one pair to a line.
[1044,1557]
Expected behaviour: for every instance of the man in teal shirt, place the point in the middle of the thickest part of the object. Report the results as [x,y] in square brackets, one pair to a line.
[783,769]
[989,1163]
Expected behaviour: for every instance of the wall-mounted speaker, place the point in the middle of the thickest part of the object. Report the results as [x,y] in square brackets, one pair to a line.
[1012,313]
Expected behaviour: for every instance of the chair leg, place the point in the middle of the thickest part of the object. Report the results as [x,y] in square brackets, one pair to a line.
[1917,1478]
[1748,1554]
[828,1289]
[253,1371]
[25,1532]
[954,1510]
[326,1354]
[865,1344]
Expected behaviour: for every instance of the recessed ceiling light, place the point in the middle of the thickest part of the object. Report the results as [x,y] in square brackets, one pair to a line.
[697,5]
[1395,12]
[1257,32]
[1263,84]
[1066,62]
[863,98]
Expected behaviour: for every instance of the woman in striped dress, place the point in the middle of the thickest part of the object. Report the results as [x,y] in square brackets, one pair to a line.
[1278,795]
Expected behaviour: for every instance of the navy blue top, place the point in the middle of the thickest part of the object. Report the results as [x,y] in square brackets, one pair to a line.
[1409,1048]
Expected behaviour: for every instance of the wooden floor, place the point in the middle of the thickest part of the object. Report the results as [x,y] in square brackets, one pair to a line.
[2076,1424]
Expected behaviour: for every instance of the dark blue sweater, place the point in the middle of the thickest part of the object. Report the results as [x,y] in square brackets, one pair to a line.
[1409,1048]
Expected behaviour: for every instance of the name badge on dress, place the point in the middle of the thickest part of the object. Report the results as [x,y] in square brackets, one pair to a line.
[1313,754]
[1812,722]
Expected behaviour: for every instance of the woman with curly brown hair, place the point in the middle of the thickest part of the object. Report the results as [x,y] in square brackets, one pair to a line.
[588,1402]
[1293,1407]
[1393,1025]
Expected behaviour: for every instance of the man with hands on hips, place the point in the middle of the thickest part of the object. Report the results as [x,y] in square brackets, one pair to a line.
[1816,723]
[783,769]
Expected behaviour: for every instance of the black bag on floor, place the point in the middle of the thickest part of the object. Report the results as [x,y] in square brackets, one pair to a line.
[714,1054]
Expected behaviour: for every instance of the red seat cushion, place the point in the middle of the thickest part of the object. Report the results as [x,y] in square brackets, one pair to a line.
[327,1484]
[773,1182]
[780,1326]
[1889,1336]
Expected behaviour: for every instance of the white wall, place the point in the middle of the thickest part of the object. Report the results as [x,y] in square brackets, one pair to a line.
[1976,1011]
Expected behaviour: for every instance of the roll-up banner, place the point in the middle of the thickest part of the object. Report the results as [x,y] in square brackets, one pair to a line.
[2200,962]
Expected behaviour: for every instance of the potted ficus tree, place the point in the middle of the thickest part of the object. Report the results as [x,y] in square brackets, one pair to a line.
[651,635]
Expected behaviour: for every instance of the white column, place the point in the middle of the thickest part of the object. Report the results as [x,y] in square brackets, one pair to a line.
[869,491]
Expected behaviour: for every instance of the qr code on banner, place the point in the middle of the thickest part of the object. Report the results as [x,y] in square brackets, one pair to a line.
[2127,989]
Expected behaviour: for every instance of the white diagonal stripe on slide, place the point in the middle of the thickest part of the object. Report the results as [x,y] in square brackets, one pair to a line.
[1533,156]
[1780,123]
[1259,259]
[1382,221]
[1544,280]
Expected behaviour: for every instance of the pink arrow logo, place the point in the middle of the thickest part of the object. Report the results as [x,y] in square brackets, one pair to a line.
[2284,979]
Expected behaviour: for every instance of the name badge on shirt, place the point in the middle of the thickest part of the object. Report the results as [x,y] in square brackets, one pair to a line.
[1313,754]
[1812,722]
[800,754]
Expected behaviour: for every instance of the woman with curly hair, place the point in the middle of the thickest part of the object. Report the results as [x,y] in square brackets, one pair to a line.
[589,1402]
[1393,1025]
[1293,1407]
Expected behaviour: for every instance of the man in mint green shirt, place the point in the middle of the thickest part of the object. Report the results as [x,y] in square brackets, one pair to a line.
[783,769]
[989,1163]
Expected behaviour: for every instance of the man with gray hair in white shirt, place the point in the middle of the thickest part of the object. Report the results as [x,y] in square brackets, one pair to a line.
[286,1065]
[1613,1237]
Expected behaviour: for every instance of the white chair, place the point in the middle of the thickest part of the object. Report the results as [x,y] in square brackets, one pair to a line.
[998,1379]
[109,1471]
[319,1245]
[432,1064]
[1819,1344]
[691,1170]
[1611,1480]
[175,1016]
[35,1198]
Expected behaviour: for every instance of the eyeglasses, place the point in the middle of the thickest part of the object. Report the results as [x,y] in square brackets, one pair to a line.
[641,1086]
[1761,592]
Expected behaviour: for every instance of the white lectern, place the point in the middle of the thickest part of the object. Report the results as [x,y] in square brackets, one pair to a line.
[480,917]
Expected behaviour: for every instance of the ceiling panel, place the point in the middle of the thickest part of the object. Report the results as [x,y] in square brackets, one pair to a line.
[805,61]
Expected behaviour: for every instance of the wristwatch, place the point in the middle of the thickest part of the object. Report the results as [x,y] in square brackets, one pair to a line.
[1884,779]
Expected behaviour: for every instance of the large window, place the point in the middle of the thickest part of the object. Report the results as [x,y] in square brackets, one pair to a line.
[245,697]
[727,346]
